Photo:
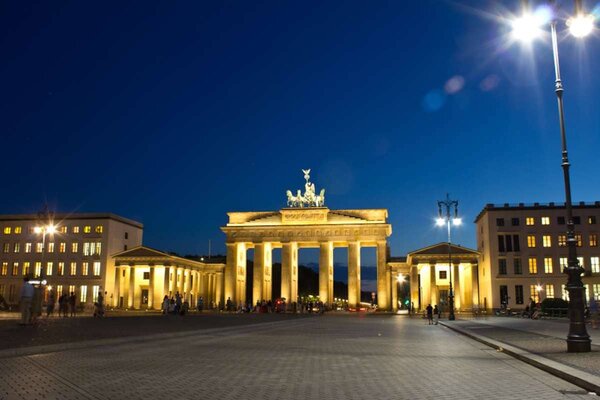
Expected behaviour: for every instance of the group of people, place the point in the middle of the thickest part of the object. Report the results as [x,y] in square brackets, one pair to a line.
[31,303]
[433,314]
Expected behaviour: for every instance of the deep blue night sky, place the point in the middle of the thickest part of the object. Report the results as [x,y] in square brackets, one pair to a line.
[173,113]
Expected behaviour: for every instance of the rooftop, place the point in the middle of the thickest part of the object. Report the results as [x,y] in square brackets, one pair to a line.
[71,216]
[534,206]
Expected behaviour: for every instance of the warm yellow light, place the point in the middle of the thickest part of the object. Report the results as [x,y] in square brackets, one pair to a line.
[37,230]
[539,288]
[401,278]
[51,229]
[440,222]
[581,25]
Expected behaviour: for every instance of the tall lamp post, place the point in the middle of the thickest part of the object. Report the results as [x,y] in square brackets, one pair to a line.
[446,217]
[527,28]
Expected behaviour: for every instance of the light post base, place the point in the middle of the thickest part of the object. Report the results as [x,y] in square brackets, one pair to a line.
[451,316]
[579,345]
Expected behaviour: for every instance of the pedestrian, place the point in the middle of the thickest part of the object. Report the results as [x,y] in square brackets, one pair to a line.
[429,314]
[200,304]
[531,307]
[594,312]
[177,303]
[72,301]
[228,304]
[412,308]
[27,291]
[51,303]
[436,314]
[165,305]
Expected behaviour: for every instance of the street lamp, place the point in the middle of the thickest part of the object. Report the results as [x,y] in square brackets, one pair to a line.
[448,220]
[580,25]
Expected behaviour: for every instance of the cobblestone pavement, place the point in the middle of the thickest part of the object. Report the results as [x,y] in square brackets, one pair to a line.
[544,337]
[328,357]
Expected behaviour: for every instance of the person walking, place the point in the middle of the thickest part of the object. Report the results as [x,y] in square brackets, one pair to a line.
[436,315]
[26,298]
[72,301]
[429,314]
[200,305]
[165,305]
[51,303]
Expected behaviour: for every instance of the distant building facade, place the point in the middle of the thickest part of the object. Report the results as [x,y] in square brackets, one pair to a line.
[524,251]
[76,258]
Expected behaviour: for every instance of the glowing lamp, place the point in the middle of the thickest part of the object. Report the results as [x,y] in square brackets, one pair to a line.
[37,230]
[581,25]
[526,28]
[539,288]
[440,222]
[51,229]
[456,221]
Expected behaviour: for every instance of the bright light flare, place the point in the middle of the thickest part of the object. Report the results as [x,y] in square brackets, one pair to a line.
[37,230]
[440,222]
[539,288]
[401,278]
[528,26]
[581,25]
[51,229]
[456,221]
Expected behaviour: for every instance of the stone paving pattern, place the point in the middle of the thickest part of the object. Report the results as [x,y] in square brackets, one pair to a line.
[321,357]
[546,338]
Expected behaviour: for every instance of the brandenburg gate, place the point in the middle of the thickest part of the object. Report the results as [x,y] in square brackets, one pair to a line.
[305,223]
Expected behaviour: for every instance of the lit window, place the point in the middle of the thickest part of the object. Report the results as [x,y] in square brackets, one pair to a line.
[562,240]
[86,249]
[62,229]
[534,293]
[71,289]
[97,268]
[4,268]
[545,220]
[18,230]
[99,229]
[578,240]
[529,221]
[546,241]
[38,247]
[591,220]
[51,247]
[62,248]
[98,248]
[6,247]
[593,240]
[596,288]
[549,291]
[87,229]
[85,268]
[61,269]
[49,266]
[27,247]
[73,268]
[95,291]
[595,264]
[581,264]
[15,269]
[548,265]
[532,266]
[74,247]
[7,230]
[59,290]
[26,268]
[564,263]
[530,241]
[75,229]
[38,268]
[17,247]
[83,294]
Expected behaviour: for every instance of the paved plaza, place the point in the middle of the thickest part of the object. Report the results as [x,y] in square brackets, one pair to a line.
[318,357]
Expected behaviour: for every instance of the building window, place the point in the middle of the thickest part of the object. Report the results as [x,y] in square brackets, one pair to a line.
[560,220]
[562,240]
[125,247]
[4,268]
[59,290]
[549,291]
[38,247]
[17,247]
[519,294]
[15,269]
[529,221]
[87,229]
[577,220]
[62,248]
[517,266]
[96,268]
[499,221]
[99,229]
[73,269]
[514,221]
[126,235]
[565,293]
[27,247]
[26,268]
[18,230]
[75,229]
[530,241]
[547,241]
[61,269]
[516,243]
[83,294]
[74,247]
[7,230]
[502,266]
[6,247]
[503,294]
[147,275]
[591,220]
[501,248]
[62,229]
[38,268]
[545,220]
[578,240]
[49,266]
[534,293]
[595,264]
[593,240]
[72,289]
[443,275]
[533,266]
[51,247]
[85,268]
[548,265]
[95,291]
[596,291]
[563,262]
[580,260]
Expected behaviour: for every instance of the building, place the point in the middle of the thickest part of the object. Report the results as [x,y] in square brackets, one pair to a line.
[76,258]
[524,251]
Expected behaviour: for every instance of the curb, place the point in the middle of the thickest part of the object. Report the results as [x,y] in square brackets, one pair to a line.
[583,379]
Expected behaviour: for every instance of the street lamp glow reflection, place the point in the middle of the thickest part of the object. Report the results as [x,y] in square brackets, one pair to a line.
[581,25]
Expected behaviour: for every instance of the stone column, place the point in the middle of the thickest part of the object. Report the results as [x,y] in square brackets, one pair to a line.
[196,287]
[117,287]
[395,292]
[181,283]
[151,289]
[259,273]
[268,267]
[353,274]
[326,272]
[456,286]
[219,289]
[432,286]
[230,273]
[172,272]
[235,273]
[289,271]
[414,285]
[474,286]
[131,292]
[190,282]
[383,278]
[204,289]
[165,281]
